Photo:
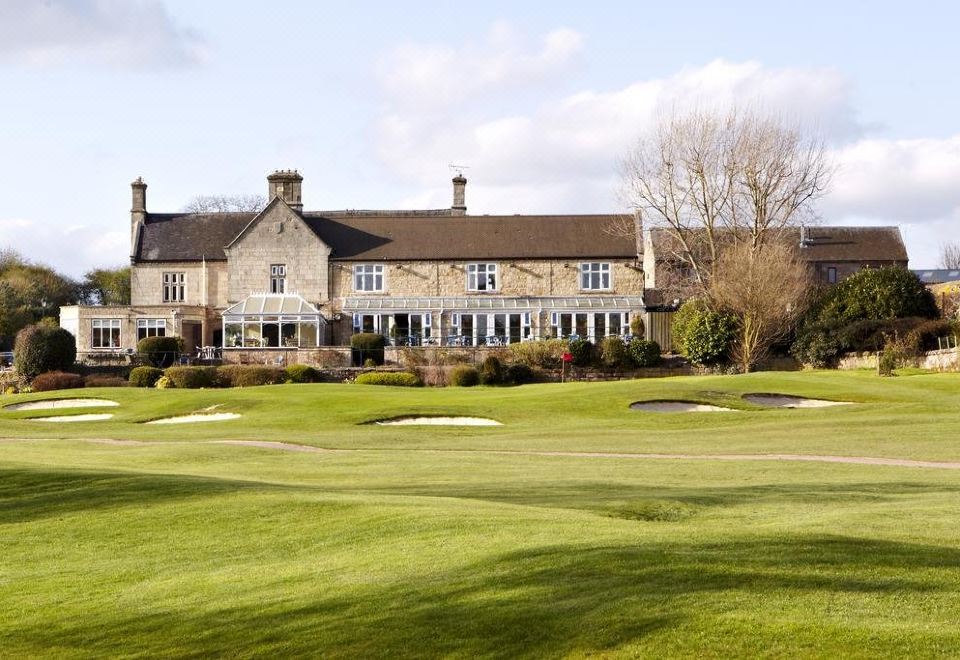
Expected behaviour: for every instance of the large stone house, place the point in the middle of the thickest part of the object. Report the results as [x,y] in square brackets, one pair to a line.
[285,278]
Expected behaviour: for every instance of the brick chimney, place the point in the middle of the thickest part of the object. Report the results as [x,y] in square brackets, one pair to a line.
[138,213]
[286,185]
[459,195]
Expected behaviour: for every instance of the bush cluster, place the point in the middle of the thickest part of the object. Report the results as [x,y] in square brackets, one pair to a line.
[582,351]
[145,376]
[41,348]
[160,352]
[56,380]
[617,354]
[702,335]
[302,373]
[394,378]
[242,375]
[492,371]
[545,353]
[464,375]
[643,353]
[191,378]
[867,311]
[520,374]
[368,346]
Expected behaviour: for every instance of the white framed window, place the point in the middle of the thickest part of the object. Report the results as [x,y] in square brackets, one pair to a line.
[482,277]
[105,333]
[151,328]
[368,277]
[595,276]
[174,287]
[278,278]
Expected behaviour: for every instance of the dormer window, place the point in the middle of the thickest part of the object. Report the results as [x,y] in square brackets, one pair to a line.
[482,277]
[278,278]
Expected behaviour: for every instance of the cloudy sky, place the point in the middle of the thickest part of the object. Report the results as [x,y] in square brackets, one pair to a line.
[373,100]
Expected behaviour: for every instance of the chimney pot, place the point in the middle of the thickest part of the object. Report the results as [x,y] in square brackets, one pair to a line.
[287,185]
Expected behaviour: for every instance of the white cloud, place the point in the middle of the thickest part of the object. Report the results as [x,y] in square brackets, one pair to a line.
[72,250]
[431,75]
[122,34]
[562,155]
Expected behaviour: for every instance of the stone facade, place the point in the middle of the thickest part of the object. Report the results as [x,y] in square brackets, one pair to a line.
[278,236]
[204,283]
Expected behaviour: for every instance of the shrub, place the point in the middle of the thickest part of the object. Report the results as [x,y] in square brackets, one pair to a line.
[394,378]
[433,375]
[145,376]
[613,352]
[637,326]
[545,353]
[582,351]
[520,374]
[367,346]
[248,375]
[817,345]
[644,353]
[464,375]
[302,373]
[42,348]
[924,336]
[191,378]
[56,380]
[491,372]
[702,335]
[163,383]
[877,293]
[160,352]
[105,381]
[12,382]
[370,363]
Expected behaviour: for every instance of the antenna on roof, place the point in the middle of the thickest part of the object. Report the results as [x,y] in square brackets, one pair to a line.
[458,168]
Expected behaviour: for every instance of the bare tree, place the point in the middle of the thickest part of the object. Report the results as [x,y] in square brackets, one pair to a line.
[711,181]
[766,290]
[950,256]
[226,204]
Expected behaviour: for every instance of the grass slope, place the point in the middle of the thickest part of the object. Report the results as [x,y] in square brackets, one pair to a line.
[185,548]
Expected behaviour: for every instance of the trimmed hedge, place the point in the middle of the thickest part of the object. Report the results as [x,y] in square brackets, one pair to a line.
[243,375]
[160,352]
[367,346]
[393,378]
[145,376]
[43,348]
[302,373]
[191,378]
[464,375]
[644,353]
[546,353]
[582,352]
[56,380]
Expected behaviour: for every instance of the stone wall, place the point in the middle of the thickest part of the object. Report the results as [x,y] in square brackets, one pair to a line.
[146,282]
[279,237]
[947,359]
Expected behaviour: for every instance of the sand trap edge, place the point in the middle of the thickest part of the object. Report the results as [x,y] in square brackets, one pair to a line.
[677,406]
[198,418]
[57,404]
[768,400]
[436,420]
[92,417]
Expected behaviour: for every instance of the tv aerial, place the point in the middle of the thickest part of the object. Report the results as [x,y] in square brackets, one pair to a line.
[458,168]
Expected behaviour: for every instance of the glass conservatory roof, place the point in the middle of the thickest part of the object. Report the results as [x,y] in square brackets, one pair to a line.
[493,302]
[268,303]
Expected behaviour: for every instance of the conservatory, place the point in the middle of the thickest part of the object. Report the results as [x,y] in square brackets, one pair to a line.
[273,321]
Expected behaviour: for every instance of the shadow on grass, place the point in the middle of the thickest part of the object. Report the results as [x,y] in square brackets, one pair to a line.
[549,601]
[32,494]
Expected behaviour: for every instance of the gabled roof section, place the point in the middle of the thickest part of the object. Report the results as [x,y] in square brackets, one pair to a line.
[275,202]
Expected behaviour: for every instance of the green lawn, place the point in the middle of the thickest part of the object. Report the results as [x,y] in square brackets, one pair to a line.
[439,541]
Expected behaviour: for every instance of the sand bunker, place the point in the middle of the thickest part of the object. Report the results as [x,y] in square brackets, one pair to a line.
[190,419]
[54,404]
[95,417]
[439,421]
[788,401]
[677,406]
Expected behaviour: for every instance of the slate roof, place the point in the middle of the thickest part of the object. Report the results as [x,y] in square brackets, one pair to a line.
[827,244]
[938,276]
[378,236]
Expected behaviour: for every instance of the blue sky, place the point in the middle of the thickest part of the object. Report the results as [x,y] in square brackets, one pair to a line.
[373,101]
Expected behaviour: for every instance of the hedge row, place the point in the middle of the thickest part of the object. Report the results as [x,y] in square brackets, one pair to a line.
[232,375]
